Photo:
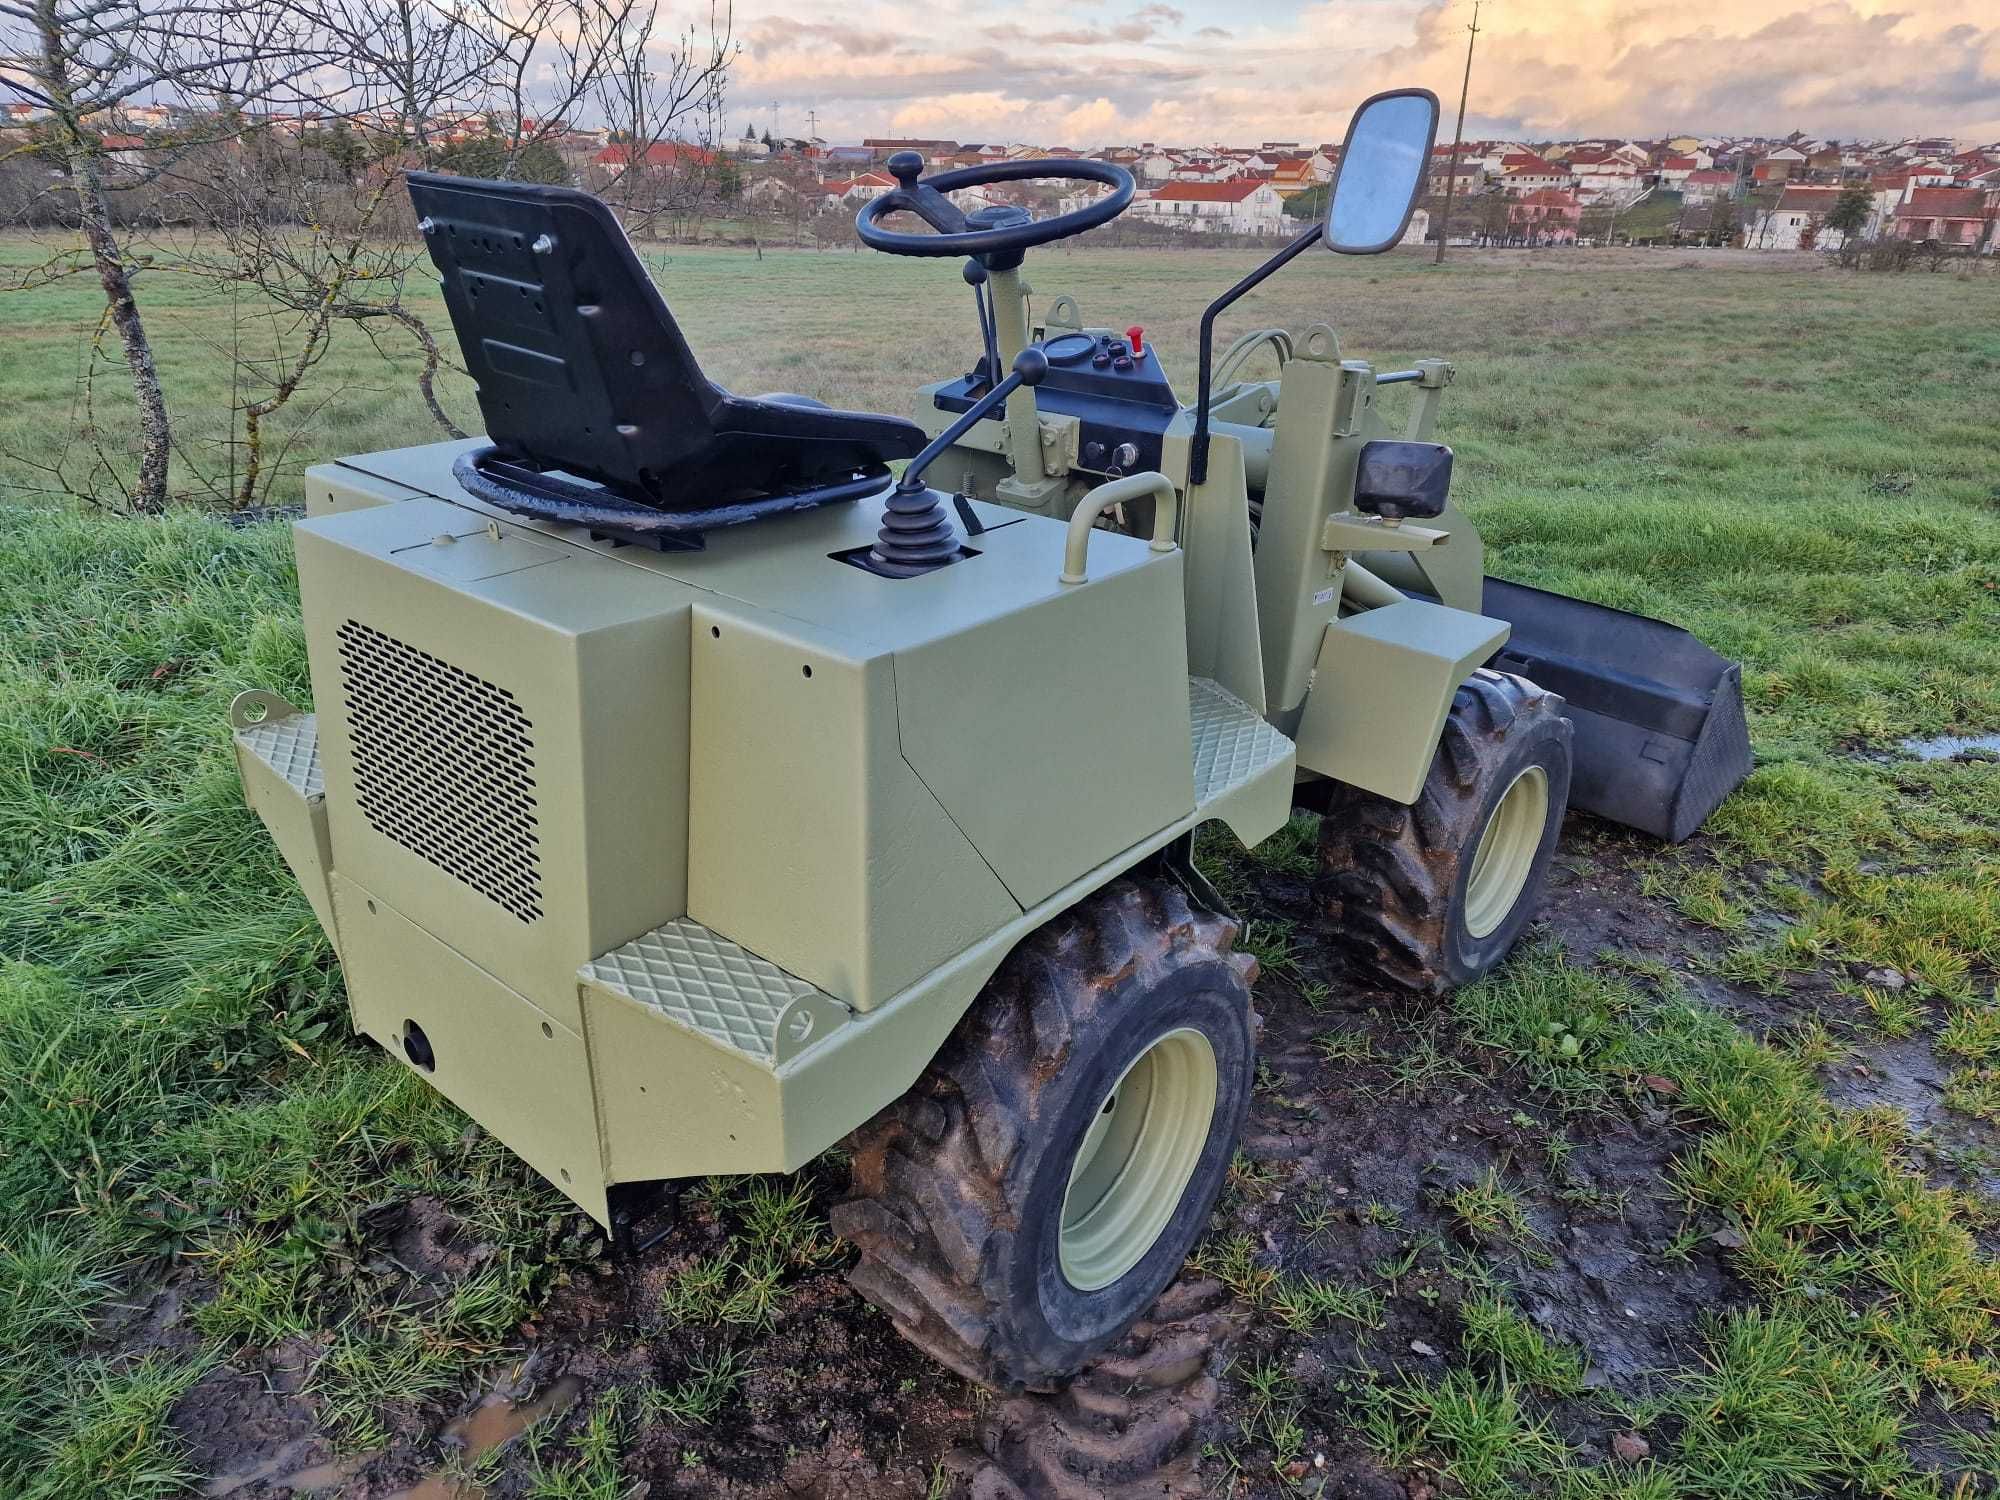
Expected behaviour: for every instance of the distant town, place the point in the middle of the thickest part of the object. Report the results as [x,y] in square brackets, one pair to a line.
[1790,194]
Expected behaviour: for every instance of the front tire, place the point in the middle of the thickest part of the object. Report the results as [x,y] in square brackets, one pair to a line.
[1043,1181]
[1430,896]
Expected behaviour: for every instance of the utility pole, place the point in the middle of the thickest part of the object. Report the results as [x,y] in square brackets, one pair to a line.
[1458,134]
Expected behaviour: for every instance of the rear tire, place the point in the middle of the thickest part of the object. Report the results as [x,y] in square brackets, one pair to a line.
[1431,896]
[1043,1181]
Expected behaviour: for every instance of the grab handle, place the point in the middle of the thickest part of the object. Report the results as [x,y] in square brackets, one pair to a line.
[1166,513]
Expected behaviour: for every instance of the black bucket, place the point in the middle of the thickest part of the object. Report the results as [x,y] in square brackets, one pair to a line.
[1660,734]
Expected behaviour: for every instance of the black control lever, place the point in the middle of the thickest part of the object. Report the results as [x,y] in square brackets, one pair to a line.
[989,331]
[1030,365]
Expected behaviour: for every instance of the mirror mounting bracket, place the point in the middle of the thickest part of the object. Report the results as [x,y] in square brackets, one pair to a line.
[1198,454]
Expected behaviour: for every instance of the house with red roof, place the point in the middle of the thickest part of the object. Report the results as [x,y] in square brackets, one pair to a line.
[1240,207]
[662,155]
[1675,170]
[1962,217]
[1706,184]
[1206,168]
[1546,216]
[852,192]
[1609,173]
[1293,176]
[1533,175]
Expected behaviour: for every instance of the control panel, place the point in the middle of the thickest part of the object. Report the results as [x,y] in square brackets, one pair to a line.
[1111,383]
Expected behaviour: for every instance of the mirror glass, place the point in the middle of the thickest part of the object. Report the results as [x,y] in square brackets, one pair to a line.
[1381,172]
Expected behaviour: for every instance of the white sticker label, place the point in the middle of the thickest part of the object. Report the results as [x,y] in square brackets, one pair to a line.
[1326,596]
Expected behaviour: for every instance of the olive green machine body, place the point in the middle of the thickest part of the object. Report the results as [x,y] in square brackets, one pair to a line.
[671,864]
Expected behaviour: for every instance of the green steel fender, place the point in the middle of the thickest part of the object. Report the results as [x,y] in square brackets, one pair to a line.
[1381,690]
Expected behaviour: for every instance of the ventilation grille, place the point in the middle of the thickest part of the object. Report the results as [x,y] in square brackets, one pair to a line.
[444,765]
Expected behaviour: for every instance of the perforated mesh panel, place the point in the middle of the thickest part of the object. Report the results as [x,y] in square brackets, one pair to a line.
[444,765]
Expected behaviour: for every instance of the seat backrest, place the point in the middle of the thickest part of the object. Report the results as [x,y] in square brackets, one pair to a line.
[580,365]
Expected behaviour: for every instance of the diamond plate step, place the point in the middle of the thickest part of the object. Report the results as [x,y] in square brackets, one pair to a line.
[1233,746]
[720,991]
[291,748]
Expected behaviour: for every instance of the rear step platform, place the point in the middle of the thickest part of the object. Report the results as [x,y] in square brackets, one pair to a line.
[721,992]
[277,758]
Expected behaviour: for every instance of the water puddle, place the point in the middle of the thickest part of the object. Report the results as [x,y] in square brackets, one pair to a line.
[496,1421]
[321,1477]
[277,1468]
[1955,747]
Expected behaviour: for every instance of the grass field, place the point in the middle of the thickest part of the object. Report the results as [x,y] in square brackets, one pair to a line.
[1699,1197]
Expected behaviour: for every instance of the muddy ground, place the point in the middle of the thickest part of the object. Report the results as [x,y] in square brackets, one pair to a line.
[834,1404]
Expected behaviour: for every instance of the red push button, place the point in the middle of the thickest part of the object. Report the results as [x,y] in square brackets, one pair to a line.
[1136,337]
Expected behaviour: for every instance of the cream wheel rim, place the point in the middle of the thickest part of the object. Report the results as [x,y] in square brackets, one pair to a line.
[1506,852]
[1136,1159]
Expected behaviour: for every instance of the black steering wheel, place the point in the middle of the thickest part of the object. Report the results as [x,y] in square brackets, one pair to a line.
[986,231]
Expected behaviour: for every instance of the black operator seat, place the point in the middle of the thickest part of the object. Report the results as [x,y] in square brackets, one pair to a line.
[582,369]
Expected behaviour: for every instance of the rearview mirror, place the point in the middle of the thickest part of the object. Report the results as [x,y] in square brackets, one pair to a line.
[1382,169]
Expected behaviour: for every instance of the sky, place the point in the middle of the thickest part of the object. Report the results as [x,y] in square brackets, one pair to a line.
[1086,73]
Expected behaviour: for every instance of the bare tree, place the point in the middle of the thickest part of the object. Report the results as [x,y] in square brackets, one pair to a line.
[300,224]
[663,97]
[81,61]
[483,85]
[303,207]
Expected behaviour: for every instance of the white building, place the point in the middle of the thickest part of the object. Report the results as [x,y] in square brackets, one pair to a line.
[1241,207]
[1706,185]
[1610,174]
[1207,169]
[1798,222]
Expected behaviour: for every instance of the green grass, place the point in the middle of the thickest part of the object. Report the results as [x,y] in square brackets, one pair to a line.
[1796,465]
[179,1088]
[1494,1331]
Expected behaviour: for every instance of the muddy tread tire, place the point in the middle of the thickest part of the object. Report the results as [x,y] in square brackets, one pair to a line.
[1130,1426]
[1392,877]
[951,1183]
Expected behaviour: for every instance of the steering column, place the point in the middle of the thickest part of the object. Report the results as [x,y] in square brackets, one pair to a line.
[997,237]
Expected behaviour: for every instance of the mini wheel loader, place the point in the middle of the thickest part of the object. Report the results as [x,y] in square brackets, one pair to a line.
[690,789]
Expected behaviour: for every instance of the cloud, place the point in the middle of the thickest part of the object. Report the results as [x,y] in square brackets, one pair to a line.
[779,34]
[1138,29]
[1203,70]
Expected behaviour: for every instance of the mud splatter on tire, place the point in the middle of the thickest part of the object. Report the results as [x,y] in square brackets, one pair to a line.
[1130,1425]
[959,1184]
[1393,878]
